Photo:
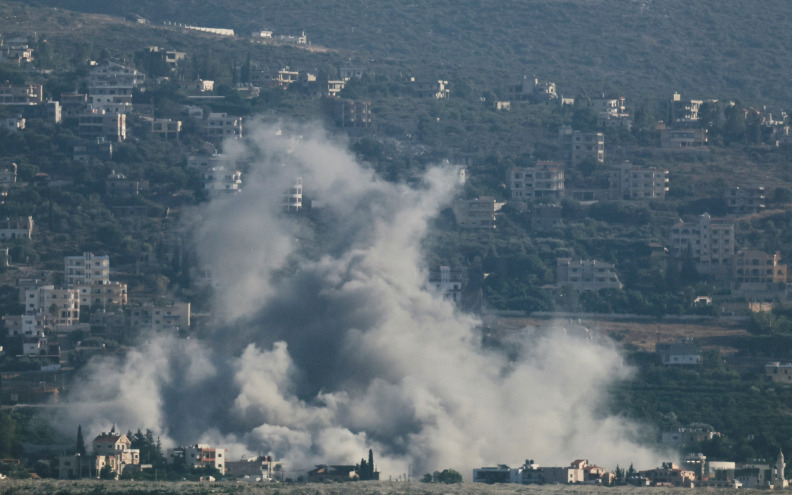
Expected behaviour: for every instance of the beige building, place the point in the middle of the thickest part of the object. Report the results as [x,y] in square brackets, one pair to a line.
[61,306]
[109,449]
[670,474]
[102,295]
[752,268]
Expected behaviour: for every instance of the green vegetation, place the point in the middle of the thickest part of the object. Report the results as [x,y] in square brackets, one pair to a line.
[446,476]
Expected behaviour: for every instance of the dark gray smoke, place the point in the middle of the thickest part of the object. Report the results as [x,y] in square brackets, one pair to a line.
[328,344]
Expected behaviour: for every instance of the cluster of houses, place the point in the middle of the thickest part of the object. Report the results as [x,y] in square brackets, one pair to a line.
[694,472]
[113,453]
[707,241]
[51,312]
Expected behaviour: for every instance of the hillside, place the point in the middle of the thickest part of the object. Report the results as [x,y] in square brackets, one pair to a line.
[705,48]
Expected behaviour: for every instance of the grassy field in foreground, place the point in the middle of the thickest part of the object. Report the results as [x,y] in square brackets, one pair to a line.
[8,487]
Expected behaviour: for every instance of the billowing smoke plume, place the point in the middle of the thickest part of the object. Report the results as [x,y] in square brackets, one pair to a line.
[327,343]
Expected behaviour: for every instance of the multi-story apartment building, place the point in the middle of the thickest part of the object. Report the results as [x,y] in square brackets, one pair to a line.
[633,182]
[199,455]
[16,49]
[87,269]
[745,200]
[531,88]
[545,216]
[218,126]
[431,89]
[446,282]
[545,181]
[477,213]
[110,87]
[174,316]
[285,77]
[779,373]
[348,113]
[683,139]
[102,295]
[166,128]
[27,325]
[293,197]
[60,305]
[16,228]
[101,124]
[755,271]
[586,274]
[577,146]
[26,94]
[684,111]
[709,241]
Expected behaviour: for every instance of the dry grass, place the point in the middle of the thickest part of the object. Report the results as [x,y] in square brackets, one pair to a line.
[8,487]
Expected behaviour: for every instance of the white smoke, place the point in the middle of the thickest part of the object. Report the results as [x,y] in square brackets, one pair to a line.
[328,344]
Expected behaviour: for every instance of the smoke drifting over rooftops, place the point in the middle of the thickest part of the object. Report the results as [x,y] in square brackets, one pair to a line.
[327,345]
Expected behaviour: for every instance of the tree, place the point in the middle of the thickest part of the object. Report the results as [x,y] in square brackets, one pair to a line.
[106,473]
[80,442]
[7,431]
[365,470]
[449,476]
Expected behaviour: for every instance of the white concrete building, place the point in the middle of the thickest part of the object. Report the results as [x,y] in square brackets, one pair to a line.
[110,87]
[27,325]
[87,269]
[199,455]
[683,353]
[709,241]
[16,228]
[293,197]
[447,283]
